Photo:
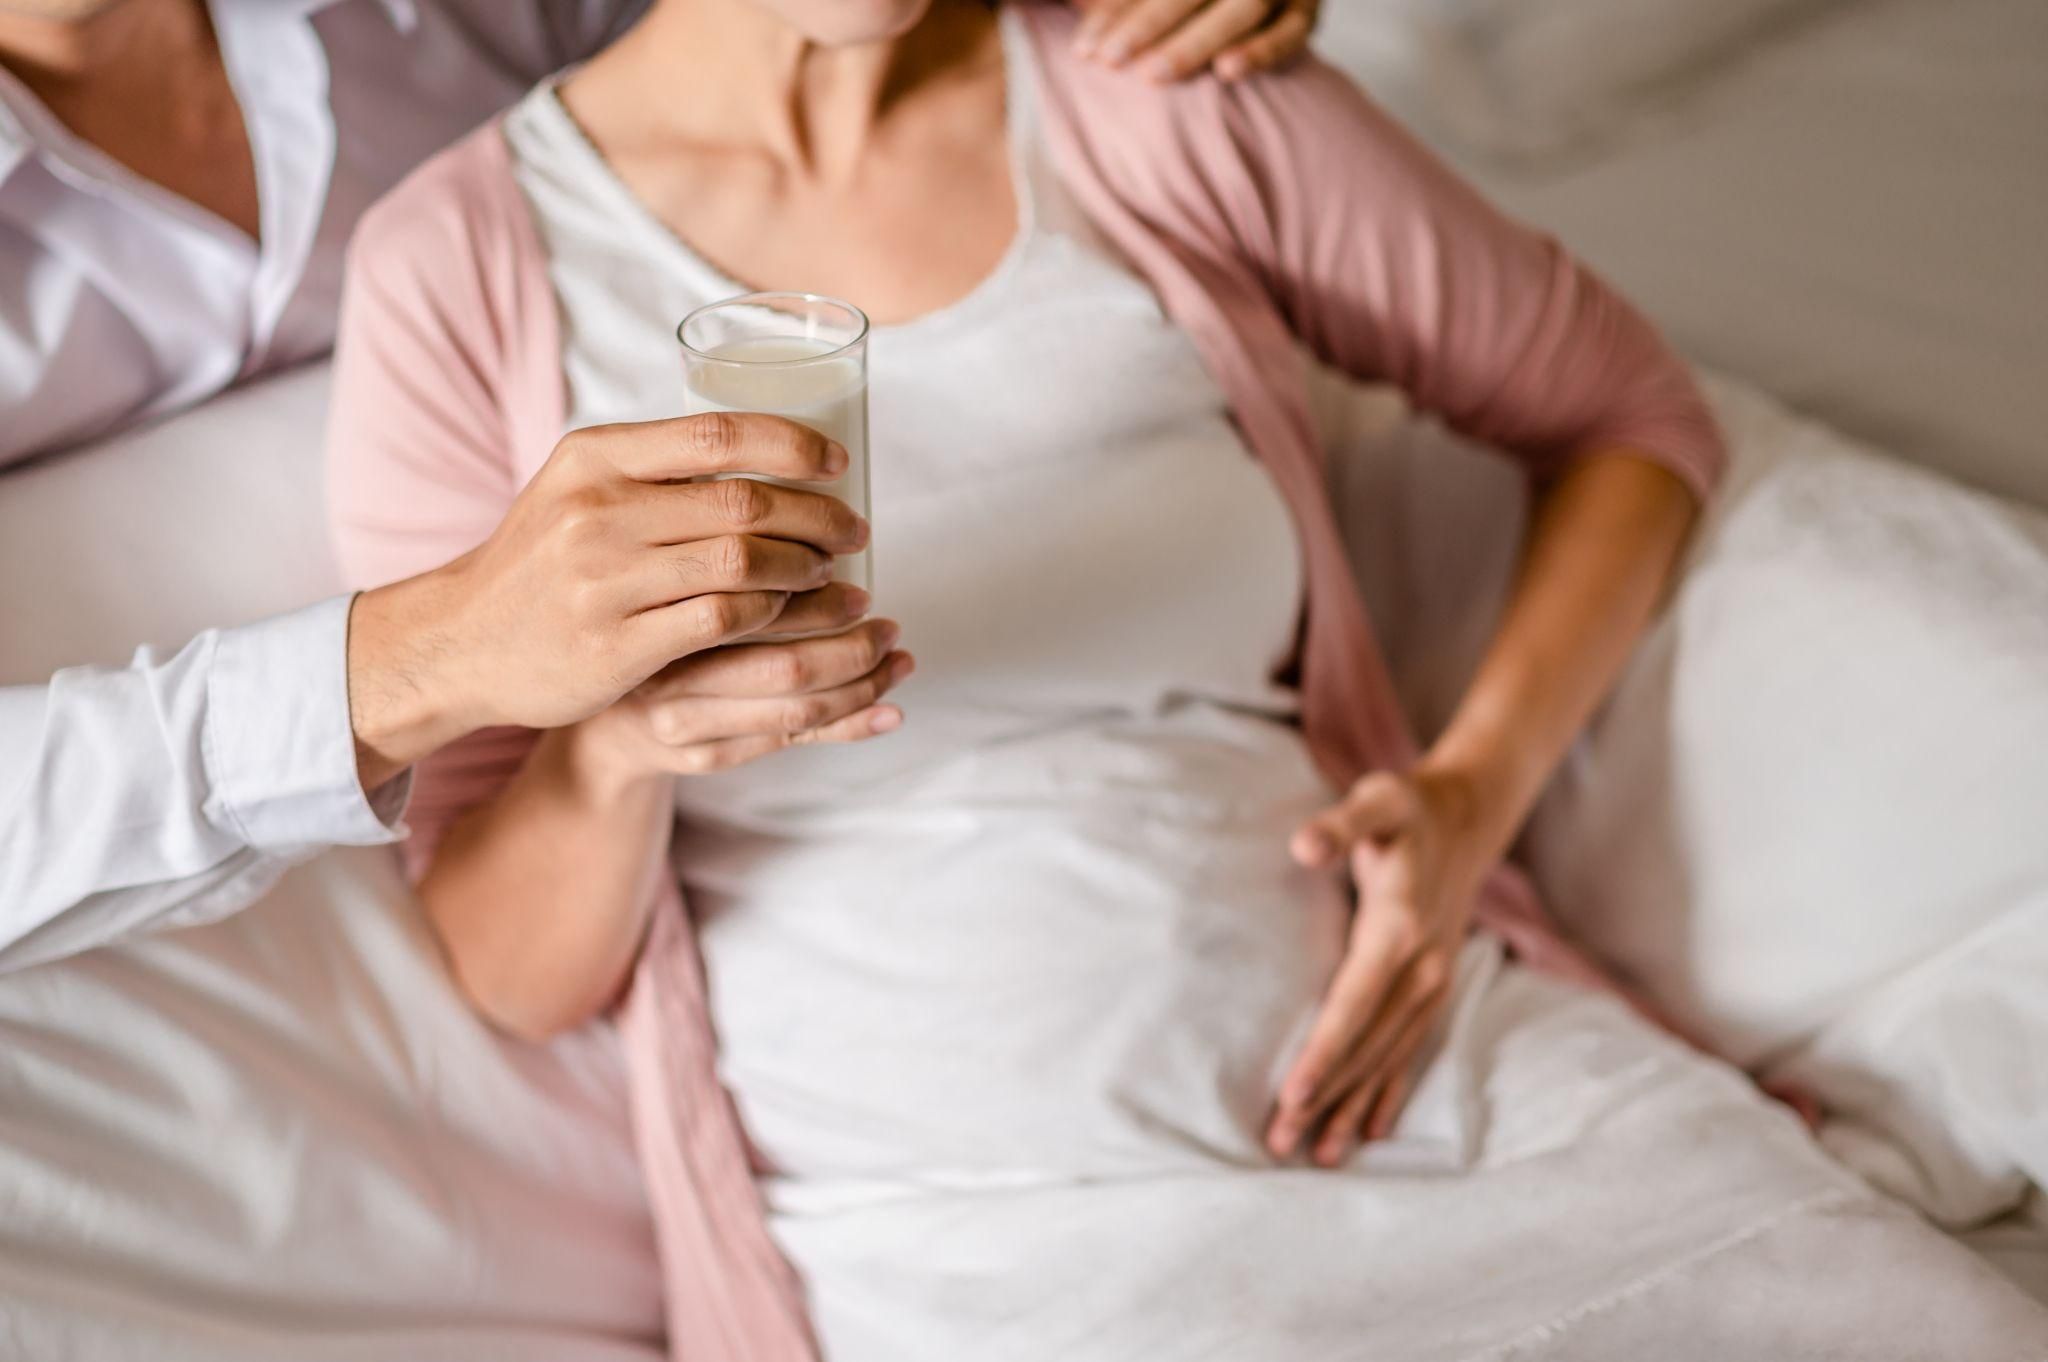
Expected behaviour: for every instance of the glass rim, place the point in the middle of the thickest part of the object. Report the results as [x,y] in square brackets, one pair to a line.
[764,298]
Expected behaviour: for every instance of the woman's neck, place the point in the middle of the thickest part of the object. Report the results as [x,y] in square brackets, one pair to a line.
[759,85]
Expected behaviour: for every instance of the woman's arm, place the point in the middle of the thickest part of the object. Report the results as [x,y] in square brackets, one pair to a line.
[540,893]
[1603,541]
[1393,269]
[1602,545]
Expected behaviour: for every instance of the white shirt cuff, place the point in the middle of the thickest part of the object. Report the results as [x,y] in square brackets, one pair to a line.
[280,751]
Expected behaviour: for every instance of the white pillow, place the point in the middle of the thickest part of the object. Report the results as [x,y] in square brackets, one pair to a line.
[1813,819]
[283,1135]
[1513,79]
[208,518]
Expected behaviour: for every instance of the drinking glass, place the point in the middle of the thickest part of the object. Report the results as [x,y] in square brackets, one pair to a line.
[797,355]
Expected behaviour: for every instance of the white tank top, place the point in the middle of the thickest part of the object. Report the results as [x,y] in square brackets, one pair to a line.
[1048,928]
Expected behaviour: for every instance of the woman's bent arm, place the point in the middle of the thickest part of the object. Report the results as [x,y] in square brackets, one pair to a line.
[540,895]
[1603,541]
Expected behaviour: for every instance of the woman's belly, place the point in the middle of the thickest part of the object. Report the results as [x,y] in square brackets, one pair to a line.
[1081,954]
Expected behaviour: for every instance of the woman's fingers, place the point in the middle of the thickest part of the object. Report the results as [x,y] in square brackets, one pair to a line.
[689,722]
[1378,806]
[1335,1141]
[1354,998]
[1379,1060]
[723,754]
[1283,39]
[789,667]
[1393,1098]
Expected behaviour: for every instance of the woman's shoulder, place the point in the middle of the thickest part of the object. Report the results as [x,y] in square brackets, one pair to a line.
[459,216]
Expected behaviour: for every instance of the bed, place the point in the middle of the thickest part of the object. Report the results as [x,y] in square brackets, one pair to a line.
[284,1136]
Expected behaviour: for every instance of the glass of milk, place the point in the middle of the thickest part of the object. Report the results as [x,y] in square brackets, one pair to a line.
[798,355]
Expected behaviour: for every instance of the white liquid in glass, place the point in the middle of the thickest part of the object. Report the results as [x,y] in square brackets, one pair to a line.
[830,396]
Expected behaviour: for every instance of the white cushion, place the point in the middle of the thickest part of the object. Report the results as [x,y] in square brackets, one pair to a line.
[1510,79]
[209,518]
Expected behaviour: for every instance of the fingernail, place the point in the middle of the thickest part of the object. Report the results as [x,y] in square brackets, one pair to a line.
[862,532]
[905,665]
[836,457]
[1161,71]
[887,635]
[857,601]
[1116,51]
[886,721]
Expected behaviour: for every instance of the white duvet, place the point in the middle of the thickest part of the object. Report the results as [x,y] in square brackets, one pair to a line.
[1567,1184]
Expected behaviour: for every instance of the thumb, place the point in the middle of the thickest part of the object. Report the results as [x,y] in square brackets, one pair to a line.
[1377,806]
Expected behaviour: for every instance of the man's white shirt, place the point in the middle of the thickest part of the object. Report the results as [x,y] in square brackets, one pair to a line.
[175,790]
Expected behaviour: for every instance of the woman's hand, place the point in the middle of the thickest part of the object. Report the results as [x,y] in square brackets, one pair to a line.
[1171,39]
[727,706]
[1418,856]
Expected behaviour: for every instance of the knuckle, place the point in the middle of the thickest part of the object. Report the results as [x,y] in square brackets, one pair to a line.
[788,670]
[741,502]
[575,447]
[798,715]
[713,434]
[731,559]
[722,615]
[666,723]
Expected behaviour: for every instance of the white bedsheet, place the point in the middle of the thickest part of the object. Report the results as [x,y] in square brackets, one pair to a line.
[285,1136]
[1850,215]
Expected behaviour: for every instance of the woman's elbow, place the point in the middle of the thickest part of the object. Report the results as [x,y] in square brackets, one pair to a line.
[535,1015]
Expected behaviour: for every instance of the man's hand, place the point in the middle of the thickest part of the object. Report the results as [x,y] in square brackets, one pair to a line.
[607,567]
[1173,39]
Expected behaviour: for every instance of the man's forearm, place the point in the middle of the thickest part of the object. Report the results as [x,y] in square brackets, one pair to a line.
[1602,545]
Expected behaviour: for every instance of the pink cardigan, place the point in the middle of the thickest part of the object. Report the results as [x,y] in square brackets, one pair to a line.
[1287,207]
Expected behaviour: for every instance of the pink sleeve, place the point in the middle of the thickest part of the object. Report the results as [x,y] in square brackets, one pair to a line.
[420,467]
[1392,268]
